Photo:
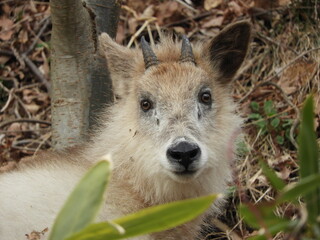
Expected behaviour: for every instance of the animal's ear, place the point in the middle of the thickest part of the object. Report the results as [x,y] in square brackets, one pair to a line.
[229,48]
[120,61]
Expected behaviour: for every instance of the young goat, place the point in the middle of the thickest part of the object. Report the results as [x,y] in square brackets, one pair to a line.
[170,133]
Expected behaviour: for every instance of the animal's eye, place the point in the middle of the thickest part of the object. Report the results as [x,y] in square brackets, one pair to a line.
[146,105]
[205,98]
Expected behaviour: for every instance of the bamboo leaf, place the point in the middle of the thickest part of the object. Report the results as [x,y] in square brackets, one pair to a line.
[153,219]
[308,154]
[83,204]
[275,181]
[302,188]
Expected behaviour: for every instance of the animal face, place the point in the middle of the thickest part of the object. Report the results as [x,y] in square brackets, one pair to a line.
[176,108]
[180,96]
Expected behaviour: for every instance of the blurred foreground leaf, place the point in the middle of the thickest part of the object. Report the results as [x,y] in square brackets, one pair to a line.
[83,204]
[308,153]
[153,219]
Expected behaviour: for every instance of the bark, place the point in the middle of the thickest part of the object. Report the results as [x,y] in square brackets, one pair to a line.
[105,16]
[78,74]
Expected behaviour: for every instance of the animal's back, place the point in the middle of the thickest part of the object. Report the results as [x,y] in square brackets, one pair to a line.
[30,201]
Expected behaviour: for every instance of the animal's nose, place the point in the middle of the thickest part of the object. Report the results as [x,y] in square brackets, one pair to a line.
[184,153]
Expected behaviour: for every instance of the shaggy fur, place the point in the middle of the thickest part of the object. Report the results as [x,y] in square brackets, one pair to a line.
[32,195]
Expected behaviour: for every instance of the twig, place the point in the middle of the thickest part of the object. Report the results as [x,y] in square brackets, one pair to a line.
[6,52]
[187,6]
[137,33]
[30,64]
[37,73]
[37,37]
[44,140]
[18,56]
[27,86]
[197,17]
[225,229]
[134,13]
[29,120]
[8,101]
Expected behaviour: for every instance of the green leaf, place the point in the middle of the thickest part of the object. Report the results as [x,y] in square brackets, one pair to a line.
[274,229]
[83,204]
[262,125]
[242,148]
[255,106]
[153,219]
[280,139]
[295,190]
[275,122]
[308,153]
[287,123]
[254,116]
[262,216]
[274,180]
[268,108]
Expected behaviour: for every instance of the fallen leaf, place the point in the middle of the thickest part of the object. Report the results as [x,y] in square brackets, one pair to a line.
[133,24]
[32,108]
[235,8]
[296,76]
[4,59]
[167,10]
[180,30]
[6,29]
[147,13]
[284,2]
[23,36]
[215,22]
[210,4]
[15,129]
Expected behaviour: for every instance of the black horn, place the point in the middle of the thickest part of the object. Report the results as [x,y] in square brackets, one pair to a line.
[150,59]
[186,51]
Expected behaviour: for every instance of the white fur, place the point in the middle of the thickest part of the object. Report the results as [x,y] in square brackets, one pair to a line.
[32,195]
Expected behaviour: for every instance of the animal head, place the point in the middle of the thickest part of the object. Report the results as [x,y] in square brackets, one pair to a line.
[178,95]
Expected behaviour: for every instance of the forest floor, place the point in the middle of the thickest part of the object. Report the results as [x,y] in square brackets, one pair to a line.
[281,69]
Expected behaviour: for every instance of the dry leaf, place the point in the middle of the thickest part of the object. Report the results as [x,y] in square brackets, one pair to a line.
[284,2]
[180,30]
[14,127]
[166,10]
[284,173]
[210,4]
[296,76]
[4,59]
[235,8]
[23,36]
[6,29]
[28,95]
[132,22]
[6,9]
[215,22]
[147,13]
[32,108]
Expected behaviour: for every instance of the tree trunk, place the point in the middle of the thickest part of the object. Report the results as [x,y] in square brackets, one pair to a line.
[105,14]
[78,74]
